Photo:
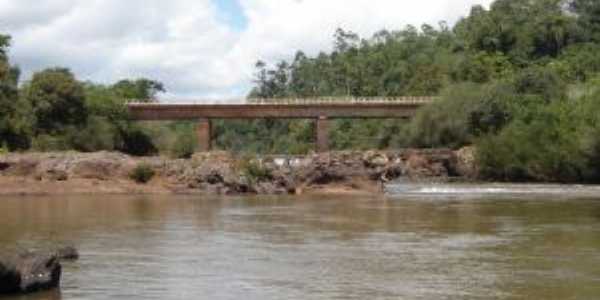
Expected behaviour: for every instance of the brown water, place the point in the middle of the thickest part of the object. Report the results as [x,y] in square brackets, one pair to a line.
[313,248]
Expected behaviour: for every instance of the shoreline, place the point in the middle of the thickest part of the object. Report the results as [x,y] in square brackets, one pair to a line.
[221,173]
[19,186]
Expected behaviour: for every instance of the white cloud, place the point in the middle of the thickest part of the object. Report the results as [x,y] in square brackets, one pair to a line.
[184,43]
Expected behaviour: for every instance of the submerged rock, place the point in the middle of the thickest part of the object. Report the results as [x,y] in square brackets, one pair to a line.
[67,253]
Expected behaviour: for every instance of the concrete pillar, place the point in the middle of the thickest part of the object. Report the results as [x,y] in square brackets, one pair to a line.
[322,134]
[204,134]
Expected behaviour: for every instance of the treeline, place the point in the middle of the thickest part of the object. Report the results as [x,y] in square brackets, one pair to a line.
[54,111]
[518,80]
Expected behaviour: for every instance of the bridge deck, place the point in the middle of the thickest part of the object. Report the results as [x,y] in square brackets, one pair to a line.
[282,110]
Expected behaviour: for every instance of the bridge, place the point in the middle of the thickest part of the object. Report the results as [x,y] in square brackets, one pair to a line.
[320,109]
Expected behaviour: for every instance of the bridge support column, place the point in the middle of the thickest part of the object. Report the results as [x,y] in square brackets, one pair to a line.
[204,134]
[322,134]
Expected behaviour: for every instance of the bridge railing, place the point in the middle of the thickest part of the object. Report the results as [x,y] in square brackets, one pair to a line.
[307,101]
[342,100]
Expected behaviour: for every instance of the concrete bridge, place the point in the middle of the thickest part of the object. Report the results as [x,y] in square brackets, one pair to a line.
[320,109]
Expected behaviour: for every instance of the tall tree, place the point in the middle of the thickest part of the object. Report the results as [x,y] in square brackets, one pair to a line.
[56,100]
[9,77]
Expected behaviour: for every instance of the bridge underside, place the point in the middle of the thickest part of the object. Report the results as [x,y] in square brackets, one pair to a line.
[322,113]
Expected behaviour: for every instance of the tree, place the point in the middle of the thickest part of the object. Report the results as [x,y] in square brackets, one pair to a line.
[588,15]
[56,100]
[142,90]
[9,133]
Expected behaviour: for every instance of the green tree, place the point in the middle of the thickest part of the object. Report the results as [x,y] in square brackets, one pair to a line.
[142,90]
[56,100]
[588,15]
[9,135]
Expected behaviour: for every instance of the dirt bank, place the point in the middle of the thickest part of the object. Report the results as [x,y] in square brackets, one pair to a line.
[223,174]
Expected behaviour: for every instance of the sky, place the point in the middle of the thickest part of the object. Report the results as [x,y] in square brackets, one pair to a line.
[200,49]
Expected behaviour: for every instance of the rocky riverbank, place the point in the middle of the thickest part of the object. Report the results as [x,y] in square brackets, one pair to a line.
[224,174]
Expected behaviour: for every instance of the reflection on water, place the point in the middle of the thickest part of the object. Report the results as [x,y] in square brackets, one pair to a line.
[313,248]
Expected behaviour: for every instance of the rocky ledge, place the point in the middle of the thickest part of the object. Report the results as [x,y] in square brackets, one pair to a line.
[225,174]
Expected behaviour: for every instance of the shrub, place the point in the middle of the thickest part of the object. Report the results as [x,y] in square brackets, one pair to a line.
[142,173]
[4,149]
[546,146]
[98,134]
[542,81]
[254,170]
[184,145]
[455,119]
[48,143]
[136,142]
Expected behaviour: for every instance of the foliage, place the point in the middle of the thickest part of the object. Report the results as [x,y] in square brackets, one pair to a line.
[254,170]
[142,173]
[136,141]
[4,149]
[97,135]
[184,145]
[11,133]
[560,143]
[141,90]
[55,100]
[48,143]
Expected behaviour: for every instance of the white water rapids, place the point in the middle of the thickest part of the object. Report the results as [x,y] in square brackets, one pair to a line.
[494,190]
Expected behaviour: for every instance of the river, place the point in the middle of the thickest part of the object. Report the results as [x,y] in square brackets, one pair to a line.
[422,244]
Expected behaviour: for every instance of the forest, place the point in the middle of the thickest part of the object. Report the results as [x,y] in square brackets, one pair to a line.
[519,81]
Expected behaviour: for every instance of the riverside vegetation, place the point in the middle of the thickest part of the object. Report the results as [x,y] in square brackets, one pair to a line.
[519,81]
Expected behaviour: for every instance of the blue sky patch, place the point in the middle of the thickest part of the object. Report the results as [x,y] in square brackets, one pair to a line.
[231,13]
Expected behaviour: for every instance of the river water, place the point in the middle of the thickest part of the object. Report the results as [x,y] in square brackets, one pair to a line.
[420,244]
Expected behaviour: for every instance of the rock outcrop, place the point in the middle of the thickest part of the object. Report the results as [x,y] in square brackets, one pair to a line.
[29,272]
[221,173]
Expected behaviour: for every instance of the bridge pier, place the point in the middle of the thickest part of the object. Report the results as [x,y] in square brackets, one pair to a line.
[204,134]
[322,134]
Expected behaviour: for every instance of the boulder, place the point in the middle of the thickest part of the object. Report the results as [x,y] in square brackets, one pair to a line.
[39,272]
[374,159]
[10,279]
[30,272]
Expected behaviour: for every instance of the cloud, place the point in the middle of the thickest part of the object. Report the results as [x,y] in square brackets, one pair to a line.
[187,44]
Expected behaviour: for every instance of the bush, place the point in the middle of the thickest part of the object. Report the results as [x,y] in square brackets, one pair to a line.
[184,145]
[142,173]
[4,149]
[542,81]
[254,170]
[136,142]
[99,134]
[48,143]
[463,112]
[550,145]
